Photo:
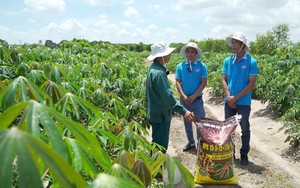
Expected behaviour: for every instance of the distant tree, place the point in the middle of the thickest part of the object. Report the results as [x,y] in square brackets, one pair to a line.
[177,46]
[267,43]
[121,47]
[264,44]
[50,44]
[131,47]
[4,43]
[214,45]
[193,40]
[139,47]
[147,47]
[281,37]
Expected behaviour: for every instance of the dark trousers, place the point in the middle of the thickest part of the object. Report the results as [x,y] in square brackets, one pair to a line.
[243,110]
[161,132]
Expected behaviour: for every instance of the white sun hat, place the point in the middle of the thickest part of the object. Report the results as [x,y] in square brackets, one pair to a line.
[159,49]
[238,36]
[191,45]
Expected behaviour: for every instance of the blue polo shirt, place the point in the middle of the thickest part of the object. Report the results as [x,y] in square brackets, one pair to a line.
[191,80]
[238,75]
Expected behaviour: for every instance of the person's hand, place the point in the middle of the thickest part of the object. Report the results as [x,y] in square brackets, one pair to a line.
[232,105]
[186,100]
[189,116]
[191,99]
[231,101]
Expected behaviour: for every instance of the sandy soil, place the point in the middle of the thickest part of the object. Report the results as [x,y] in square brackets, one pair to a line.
[272,162]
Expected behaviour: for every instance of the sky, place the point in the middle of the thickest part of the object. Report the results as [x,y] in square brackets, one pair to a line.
[146,21]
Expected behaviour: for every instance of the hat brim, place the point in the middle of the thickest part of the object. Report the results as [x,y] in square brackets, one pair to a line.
[183,53]
[162,54]
[229,42]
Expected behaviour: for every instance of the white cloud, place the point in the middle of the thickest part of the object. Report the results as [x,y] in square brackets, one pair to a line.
[248,16]
[123,33]
[66,30]
[127,25]
[18,37]
[184,25]
[136,21]
[49,6]
[171,30]
[135,34]
[4,30]
[196,4]
[152,27]
[130,11]
[142,32]
[31,20]
[71,25]
[129,2]
[156,10]
[100,2]
[155,7]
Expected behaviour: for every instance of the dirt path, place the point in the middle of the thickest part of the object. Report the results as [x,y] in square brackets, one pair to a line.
[272,162]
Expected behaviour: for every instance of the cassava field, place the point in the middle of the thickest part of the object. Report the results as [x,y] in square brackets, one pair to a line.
[73,115]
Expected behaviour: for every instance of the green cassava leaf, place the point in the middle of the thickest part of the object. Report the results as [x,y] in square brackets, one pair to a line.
[26,148]
[22,89]
[81,159]
[143,172]
[123,172]
[85,139]
[7,158]
[11,114]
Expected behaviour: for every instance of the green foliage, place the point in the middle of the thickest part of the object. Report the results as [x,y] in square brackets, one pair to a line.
[177,47]
[76,113]
[171,164]
[175,59]
[69,112]
[214,62]
[281,89]
[281,36]
[267,43]
[22,89]
[24,150]
[279,85]
[264,44]
[214,45]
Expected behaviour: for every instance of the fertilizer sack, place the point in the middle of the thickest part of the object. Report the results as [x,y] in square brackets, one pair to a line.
[215,151]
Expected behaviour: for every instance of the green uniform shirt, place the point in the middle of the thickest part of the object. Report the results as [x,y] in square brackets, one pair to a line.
[159,95]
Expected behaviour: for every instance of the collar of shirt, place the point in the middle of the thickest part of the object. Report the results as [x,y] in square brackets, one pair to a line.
[195,62]
[234,58]
[160,65]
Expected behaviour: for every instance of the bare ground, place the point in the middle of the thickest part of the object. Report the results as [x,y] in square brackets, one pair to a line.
[272,162]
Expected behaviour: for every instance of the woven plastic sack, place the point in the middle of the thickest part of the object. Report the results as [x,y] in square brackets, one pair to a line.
[215,151]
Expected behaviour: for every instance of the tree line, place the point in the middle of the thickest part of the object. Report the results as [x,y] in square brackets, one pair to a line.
[265,43]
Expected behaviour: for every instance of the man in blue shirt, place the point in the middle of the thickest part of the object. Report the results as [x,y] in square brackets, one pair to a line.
[191,79]
[239,74]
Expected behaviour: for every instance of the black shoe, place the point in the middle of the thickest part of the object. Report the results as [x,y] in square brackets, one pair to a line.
[244,159]
[188,147]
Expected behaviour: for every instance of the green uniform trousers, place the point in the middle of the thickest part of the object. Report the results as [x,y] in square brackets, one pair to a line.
[161,132]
